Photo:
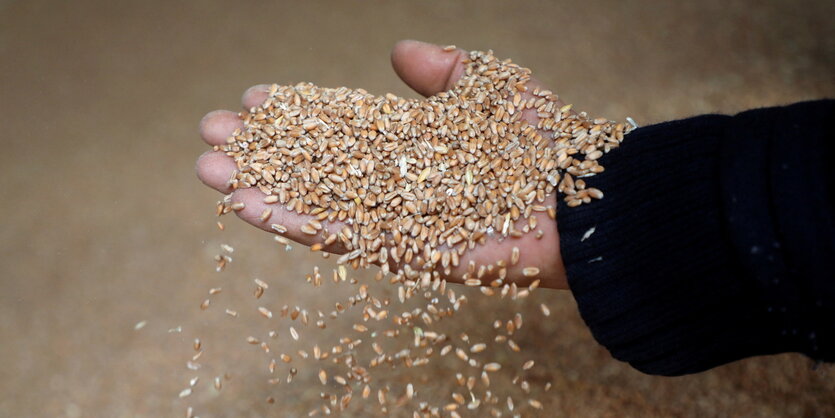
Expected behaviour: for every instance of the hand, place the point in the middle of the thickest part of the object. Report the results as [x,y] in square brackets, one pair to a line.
[427,69]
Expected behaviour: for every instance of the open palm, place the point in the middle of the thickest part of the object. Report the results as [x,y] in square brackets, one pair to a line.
[428,69]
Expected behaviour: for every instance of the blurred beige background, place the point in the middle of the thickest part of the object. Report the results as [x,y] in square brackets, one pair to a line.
[105,224]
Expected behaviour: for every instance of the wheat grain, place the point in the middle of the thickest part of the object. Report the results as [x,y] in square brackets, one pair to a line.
[413,185]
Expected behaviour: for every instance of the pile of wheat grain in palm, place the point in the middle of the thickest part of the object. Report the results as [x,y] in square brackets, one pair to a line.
[409,187]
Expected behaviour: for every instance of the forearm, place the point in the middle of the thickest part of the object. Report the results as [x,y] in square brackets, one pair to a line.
[689,265]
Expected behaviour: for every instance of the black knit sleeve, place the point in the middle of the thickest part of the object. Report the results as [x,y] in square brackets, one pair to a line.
[714,241]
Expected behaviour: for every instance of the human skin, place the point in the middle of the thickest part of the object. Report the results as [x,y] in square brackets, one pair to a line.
[427,69]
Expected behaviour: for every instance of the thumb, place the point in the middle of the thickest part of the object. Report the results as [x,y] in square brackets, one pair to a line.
[427,68]
[430,69]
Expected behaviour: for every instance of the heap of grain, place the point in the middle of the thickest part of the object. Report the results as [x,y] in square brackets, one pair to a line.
[413,186]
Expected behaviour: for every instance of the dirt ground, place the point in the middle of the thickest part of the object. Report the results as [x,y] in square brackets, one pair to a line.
[106,225]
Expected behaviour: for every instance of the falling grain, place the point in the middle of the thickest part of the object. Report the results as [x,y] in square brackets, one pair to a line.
[266,313]
[588,234]
[492,367]
[294,334]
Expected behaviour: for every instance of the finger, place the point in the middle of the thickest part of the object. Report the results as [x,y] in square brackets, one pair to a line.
[214,169]
[427,68]
[218,125]
[263,215]
[255,95]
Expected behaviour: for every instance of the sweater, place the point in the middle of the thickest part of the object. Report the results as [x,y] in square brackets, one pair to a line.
[714,241]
